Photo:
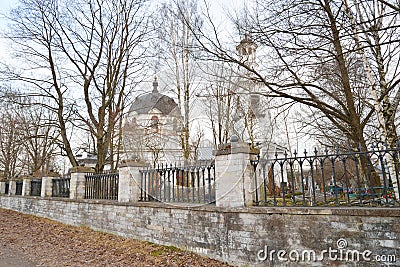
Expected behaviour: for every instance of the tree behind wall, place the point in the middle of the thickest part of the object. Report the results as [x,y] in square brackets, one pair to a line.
[300,38]
[40,139]
[83,58]
[28,141]
[11,146]
[176,54]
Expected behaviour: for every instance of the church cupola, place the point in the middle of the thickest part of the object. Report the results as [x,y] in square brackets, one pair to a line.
[247,51]
[155,85]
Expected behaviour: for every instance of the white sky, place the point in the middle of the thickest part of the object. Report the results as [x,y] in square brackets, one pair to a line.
[5,7]
[219,10]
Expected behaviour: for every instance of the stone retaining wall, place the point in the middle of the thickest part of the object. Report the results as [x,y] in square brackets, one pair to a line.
[237,235]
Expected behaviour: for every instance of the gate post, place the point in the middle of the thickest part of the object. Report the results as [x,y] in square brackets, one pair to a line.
[47,187]
[26,187]
[234,183]
[12,187]
[129,181]
[2,188]
[77,184]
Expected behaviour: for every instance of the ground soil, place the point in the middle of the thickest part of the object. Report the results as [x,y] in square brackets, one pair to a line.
[28,241]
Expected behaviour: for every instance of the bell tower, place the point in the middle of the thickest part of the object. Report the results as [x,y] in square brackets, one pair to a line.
[252,105]
[247,51]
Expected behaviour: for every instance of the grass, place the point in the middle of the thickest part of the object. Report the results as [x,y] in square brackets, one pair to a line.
[162,249]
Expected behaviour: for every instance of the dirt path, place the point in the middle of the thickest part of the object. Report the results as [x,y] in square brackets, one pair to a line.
[14,258]
[28,241]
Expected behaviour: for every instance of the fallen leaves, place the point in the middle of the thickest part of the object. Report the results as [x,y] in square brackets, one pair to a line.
[49,243]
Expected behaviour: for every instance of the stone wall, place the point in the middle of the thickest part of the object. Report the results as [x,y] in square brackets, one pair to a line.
[239,236]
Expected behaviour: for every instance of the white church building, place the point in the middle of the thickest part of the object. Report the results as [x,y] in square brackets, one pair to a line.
[151,130]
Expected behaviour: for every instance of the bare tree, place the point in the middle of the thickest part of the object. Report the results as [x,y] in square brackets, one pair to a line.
[218,98]
[82,57]
[29,142]
[392,4]
[375,32]
[177,55]
[39,138]
[11,145]
[308,58]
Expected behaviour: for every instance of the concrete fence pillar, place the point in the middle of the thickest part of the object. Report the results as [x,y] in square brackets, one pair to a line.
[47,187]
[77,184]
[2,188]
[129,181]
[234,181]
[26,187]
[12,187]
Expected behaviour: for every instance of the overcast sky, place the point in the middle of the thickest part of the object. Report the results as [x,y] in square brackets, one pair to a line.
[218,7]
[5,6]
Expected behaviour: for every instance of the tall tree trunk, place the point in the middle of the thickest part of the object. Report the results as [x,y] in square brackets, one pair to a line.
[355,126]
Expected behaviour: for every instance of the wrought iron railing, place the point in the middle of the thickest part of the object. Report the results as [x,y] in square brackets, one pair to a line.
[7,188]
[184,184]
[61,187]
[351,178]
[36,187]
[18,187]
[101,186]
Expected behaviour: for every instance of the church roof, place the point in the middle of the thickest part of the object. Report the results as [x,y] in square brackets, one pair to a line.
[246,41]
[145,103]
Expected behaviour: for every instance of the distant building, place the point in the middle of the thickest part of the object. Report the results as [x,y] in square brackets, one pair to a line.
[256,118]
[151,132]
[88,160]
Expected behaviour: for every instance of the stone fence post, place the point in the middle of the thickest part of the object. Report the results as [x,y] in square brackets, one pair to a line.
[77,184]
[12,187]
[129,181]
[26,187]
[47,187]
[234,183]
[2,188]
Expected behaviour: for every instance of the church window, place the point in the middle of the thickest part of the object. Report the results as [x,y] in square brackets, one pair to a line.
[154,122]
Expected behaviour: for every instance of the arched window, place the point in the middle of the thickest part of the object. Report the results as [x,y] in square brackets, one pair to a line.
[133,123]
[154,124]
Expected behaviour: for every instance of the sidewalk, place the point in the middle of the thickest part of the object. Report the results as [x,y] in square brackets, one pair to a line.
[11,258]
[28,241]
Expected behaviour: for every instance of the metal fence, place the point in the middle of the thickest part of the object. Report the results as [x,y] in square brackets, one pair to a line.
[61,187]
[188,184]
[101,186]
[352,178]
[18,187]
[7,188]
[36,187]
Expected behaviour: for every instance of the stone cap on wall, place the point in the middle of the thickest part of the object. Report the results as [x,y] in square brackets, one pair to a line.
[133,163]
[82,169]
[235,148]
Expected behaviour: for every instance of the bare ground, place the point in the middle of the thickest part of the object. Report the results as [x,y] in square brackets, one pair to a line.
[28,241]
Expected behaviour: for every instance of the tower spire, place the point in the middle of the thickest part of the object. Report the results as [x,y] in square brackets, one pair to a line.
[155,84]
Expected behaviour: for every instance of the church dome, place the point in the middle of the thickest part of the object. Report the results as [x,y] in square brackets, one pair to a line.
[155,100]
